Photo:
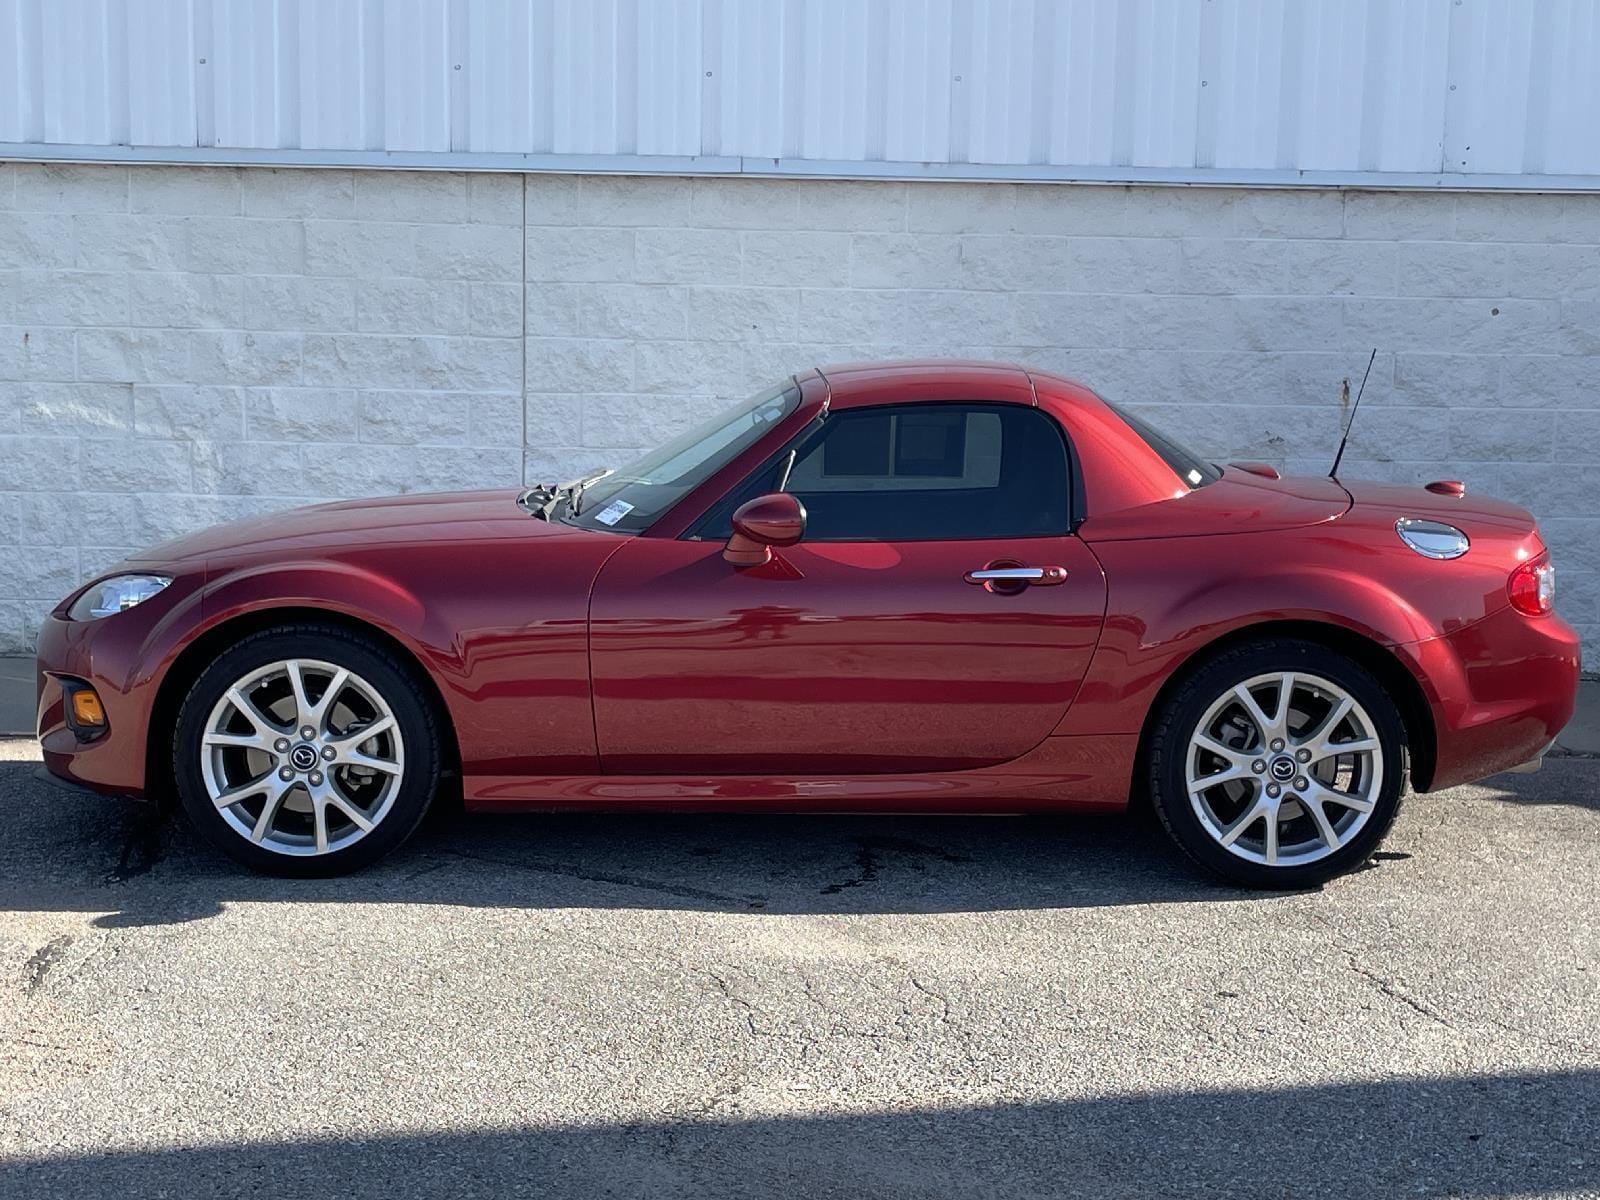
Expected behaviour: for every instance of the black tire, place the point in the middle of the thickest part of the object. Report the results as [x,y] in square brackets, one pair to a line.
[399,688]
[1183,710]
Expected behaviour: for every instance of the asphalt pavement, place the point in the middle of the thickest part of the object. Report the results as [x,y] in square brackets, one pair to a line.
[671,1005]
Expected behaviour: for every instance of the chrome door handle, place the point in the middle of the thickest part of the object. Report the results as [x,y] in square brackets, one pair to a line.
[1038,576]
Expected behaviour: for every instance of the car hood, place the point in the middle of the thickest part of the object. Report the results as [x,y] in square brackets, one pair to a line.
[443,516]
[1239,502]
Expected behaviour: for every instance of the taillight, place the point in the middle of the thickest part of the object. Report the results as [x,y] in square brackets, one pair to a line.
[1533,587]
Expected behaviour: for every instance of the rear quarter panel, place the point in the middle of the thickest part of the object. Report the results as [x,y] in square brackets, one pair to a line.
[1169,598]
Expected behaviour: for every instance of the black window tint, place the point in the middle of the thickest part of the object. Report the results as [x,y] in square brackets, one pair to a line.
[931,444]
[1185,464]
[866,452]
[932,472]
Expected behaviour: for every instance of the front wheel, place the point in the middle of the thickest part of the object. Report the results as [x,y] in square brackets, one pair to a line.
[306,751]
[1278,764]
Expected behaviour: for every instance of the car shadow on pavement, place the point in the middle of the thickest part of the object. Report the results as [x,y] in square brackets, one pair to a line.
[1491,1135]
[1565,779]
[137,866]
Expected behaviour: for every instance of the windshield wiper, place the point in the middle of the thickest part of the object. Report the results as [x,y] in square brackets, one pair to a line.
[542,499]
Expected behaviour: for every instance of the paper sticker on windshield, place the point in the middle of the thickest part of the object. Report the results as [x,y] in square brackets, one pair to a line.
[613,512]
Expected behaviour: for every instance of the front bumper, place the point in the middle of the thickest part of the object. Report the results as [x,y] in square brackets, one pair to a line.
[124,657]
[113,763]
[1501,689]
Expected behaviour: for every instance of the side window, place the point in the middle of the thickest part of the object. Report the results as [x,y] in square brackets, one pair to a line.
[933,472]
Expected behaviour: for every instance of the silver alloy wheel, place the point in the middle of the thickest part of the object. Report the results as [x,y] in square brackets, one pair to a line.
[302,757]
[1284,769]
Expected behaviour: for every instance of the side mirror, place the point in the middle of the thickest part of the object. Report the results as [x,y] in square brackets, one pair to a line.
[776,519]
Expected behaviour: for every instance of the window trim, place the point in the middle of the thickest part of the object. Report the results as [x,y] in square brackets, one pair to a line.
[813,429]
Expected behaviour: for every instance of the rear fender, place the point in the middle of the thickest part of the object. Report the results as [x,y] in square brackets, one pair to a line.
[1152,630]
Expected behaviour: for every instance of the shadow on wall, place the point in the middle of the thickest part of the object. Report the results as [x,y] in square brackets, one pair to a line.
[63,852]
[1479,1136]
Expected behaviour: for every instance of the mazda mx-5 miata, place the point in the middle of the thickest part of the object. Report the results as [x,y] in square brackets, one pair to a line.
[898,588]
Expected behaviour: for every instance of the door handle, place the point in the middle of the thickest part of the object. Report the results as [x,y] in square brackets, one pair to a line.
[1020,576]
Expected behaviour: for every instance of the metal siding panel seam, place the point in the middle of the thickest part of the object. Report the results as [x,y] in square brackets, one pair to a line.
[1096,88]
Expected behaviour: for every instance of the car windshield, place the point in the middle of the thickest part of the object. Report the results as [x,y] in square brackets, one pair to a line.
[1187,465]
[630,500]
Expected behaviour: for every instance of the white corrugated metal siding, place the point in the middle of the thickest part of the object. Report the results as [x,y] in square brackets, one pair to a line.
[1423,91]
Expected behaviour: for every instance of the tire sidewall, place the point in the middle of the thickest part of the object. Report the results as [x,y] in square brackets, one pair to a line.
[399,690]
[1169,786]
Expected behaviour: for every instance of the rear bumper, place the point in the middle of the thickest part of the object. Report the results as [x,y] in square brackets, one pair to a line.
[1500,689]
[1533,764]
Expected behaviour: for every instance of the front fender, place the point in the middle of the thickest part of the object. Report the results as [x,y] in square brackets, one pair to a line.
[359,593]
[500,630]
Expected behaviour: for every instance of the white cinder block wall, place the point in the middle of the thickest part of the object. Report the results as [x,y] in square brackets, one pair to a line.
[180,345]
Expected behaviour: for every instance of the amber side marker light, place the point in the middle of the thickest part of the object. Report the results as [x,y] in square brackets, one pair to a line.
[85,714]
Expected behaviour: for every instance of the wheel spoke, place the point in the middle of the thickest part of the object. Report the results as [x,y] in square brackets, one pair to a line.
[1254,711]
[1320,740]
[318,716]
[1238,763]
[383,765]
[1313,806]
[244,741]
[302,701]
[319,817]
[264,725]
[269,812]
[357,817]
[1322,793]
[1251,815]
[1272,838]
[361,737]
[1280,718]
[1210,744]
[244,791]
[1227,775]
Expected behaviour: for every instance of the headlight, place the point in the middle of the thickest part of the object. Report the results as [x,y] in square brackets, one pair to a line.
[1432,539]
[117,594]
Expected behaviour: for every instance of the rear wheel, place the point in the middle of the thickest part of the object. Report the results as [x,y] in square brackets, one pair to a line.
[306,751]
[1278,764]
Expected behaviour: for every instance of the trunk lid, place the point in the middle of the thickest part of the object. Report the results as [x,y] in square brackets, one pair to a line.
[1466,512]
[1499,532]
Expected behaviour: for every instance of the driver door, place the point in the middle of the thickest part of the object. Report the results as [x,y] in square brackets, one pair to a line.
[869,647]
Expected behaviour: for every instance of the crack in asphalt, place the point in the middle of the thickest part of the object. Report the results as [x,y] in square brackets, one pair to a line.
[569,871]
[839,1024]
[1388,988]
[867,866]
[723,986]
[40,962]
[868,861]
[944,1001]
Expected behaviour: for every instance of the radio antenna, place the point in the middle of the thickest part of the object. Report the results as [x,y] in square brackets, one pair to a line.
[1333,471]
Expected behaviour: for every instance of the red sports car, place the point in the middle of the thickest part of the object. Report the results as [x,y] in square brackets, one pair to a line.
[926,587]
